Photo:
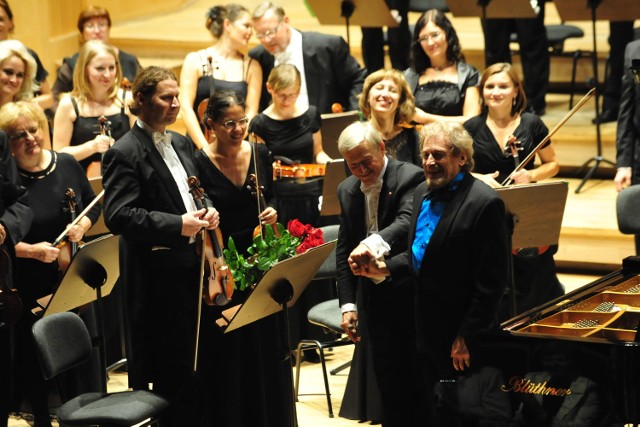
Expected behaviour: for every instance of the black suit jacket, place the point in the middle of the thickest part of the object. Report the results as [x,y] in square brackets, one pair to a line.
[142,203]
[394,211]
[332,74]
[628,132]
[464,270]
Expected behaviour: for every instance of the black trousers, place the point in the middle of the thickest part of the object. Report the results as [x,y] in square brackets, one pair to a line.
[399,43]
[532,38]
[620,34]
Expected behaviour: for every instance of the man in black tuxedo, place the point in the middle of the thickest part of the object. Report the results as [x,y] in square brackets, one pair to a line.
[628,132]
[375,211]
[457,254]
[329,73]
[147,201]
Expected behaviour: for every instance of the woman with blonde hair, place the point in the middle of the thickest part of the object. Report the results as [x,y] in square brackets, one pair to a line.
[221,66]
[388,104]
[94,115]
[17,72]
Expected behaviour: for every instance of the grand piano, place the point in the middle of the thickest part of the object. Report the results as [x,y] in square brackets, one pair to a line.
[574,361]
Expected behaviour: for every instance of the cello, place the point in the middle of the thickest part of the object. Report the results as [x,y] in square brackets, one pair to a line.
[220,285]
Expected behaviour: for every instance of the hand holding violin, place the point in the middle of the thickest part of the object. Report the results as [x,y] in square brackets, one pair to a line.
[523,176]
[193,222]
[101,143]
[269,216]
[77,232]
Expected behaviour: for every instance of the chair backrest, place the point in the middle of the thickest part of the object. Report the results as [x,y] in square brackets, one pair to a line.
[424,5]
[335,173]
[62,342]
[328,268]
[332,126]
[628,210]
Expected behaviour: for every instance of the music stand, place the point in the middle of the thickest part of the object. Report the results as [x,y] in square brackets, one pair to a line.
[278,290]
[535,212]
[91,275]
[372,13]
[592,10]
[493,9]
[332,126]
[334,174]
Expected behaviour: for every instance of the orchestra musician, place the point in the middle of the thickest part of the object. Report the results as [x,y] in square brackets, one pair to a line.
[457,255]
[252,357]
[43,95]
[97,93]
[47,175]
[147,202]
[330,74]
[388,104]
[503,116]
[94,23]
[444,85]
[15,221]
[220,66]
[375,203]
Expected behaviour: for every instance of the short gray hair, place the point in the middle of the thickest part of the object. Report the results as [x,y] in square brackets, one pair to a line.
[455,134]
[357,133]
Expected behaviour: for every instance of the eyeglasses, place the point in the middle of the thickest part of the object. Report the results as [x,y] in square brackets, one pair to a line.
[437,155]
[22,135]
[231,124]
[282,97]
[268,33]
[435,36]
[96,25]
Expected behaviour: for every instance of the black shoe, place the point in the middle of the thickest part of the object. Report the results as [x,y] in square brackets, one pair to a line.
[311,356]
[607,116]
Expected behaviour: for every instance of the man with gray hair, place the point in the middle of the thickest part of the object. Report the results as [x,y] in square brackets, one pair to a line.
[375,211]
[329,73]
[457,255]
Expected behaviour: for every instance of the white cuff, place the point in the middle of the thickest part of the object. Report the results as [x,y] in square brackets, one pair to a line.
[377,246]
[348,307]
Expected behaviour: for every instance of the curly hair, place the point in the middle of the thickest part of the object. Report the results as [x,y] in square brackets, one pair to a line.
[455,134]
[217,14]
[406,104]
[419,59]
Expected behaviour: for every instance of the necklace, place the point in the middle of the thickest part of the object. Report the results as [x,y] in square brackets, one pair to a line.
[440,69]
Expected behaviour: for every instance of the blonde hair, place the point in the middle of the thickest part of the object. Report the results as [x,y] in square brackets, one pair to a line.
[406,105]
[12,111]
[88,51]
[10,48]
[284,76]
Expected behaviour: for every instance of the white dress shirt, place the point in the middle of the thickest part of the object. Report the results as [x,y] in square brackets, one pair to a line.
[293,55]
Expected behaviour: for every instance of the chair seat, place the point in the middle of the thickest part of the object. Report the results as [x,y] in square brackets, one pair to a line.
[627,208]
[115,409]
[557,35]
[326,314]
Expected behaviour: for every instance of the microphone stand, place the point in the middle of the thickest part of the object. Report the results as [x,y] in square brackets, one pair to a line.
[346,10]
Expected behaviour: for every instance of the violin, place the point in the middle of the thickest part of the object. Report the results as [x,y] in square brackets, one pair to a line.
[201,111]
[257,190]
[68,249]
[300,171]
[94,170]
[514,146]
[219,288]
[10,301]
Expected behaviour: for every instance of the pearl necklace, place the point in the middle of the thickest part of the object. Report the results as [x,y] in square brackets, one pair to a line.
[440,69]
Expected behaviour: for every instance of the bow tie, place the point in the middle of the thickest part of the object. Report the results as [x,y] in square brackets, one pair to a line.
[441,194]
[162,138]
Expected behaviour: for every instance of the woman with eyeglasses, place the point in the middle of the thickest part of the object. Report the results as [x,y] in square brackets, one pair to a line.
[94,23]
[503,135]
[221,66]
[48,176]
[445,87]
[244,372]
[94,115]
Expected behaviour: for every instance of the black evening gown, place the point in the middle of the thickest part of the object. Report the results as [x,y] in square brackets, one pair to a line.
[246,378]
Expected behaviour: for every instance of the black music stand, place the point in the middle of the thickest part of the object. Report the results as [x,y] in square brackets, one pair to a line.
[278,290]
[592,10]
[492,8]
[535,214]
[365,13]
[332,126]
[91,275]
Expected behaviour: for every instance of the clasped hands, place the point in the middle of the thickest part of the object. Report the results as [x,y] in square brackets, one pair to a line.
[364,263]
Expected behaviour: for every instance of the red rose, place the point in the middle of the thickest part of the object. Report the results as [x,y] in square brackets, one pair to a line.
[303,247]
[313,241]
[317,233]
[308,228]
[296,228]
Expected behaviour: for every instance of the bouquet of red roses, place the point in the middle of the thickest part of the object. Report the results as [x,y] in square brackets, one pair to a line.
[268,249]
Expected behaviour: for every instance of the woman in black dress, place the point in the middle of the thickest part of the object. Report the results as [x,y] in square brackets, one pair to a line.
[503,117]
[444,85]
[388,104]
[96,93]
[47,175]
[245,371]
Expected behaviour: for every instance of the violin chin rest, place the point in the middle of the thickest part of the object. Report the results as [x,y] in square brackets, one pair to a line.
[221,300]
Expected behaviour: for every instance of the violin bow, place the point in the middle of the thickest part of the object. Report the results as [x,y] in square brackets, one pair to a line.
[533,153]
[254,148]
[86,210]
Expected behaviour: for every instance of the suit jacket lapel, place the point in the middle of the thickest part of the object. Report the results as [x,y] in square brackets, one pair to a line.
[389,184]
[356,209]
[157,163]
[446,221]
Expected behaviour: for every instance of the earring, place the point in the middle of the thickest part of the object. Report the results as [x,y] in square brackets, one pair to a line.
[514,102]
